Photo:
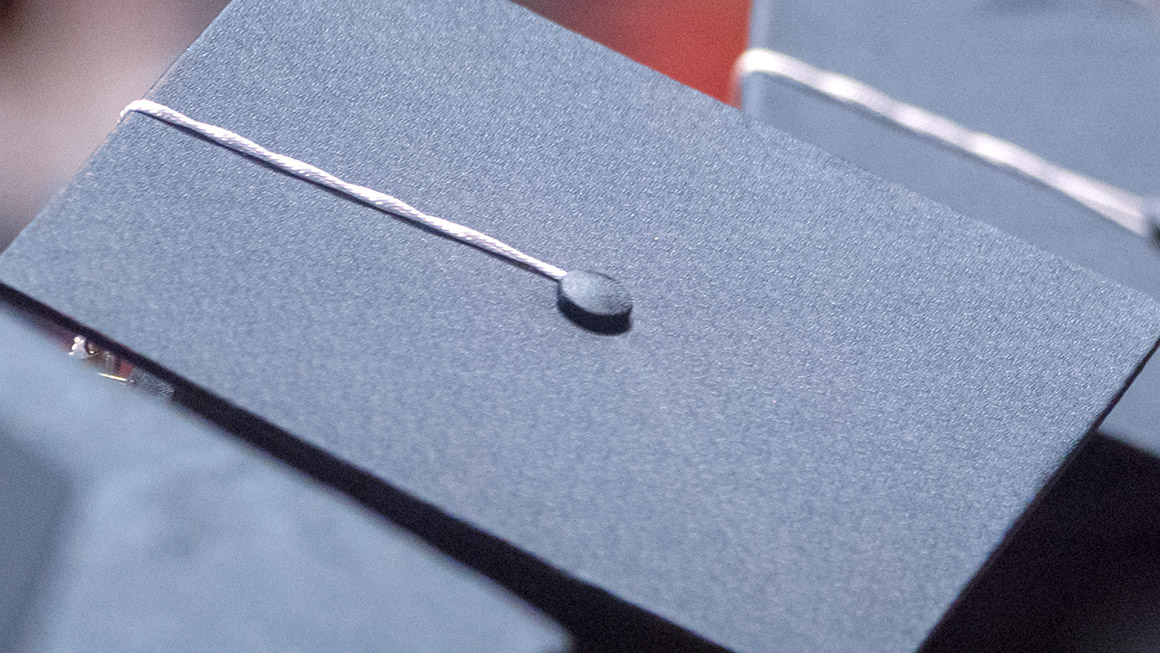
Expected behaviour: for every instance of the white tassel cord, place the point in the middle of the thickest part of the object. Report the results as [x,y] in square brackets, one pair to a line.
[1116,204]
[374,198]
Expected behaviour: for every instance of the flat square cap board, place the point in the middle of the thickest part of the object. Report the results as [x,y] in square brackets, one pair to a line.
[1075,82]
[836,396]
[127,525]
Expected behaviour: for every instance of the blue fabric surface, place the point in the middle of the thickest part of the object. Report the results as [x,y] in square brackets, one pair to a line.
[163,534]
[1073,81]
[836,396]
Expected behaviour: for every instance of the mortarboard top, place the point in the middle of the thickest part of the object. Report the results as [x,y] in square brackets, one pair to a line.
[835,399]
[130,526]
[1074,82]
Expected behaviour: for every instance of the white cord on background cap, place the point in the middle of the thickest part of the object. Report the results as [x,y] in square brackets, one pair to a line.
[374,198]
[1126,209]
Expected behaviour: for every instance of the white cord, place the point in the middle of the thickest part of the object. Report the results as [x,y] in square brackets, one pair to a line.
[363,194]
[1116,204]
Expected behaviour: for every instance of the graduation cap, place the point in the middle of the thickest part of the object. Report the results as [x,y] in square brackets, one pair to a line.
[833,402]
[131,525]
[1073,83]
[1060,96]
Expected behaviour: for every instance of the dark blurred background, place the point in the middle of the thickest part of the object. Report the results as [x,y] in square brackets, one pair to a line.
[68,67]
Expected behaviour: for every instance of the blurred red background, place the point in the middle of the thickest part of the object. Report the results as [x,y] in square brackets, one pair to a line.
[67,67]
[693,41]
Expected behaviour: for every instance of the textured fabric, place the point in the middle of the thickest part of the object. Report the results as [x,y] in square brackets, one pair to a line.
[153,531]
[836,396]
[1073,81]
[1083,573]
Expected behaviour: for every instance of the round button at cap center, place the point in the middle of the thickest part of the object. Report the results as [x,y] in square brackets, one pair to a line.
[595,301]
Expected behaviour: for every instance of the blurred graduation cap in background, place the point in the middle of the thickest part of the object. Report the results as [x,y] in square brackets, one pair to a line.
[130,525]
[1071,83]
